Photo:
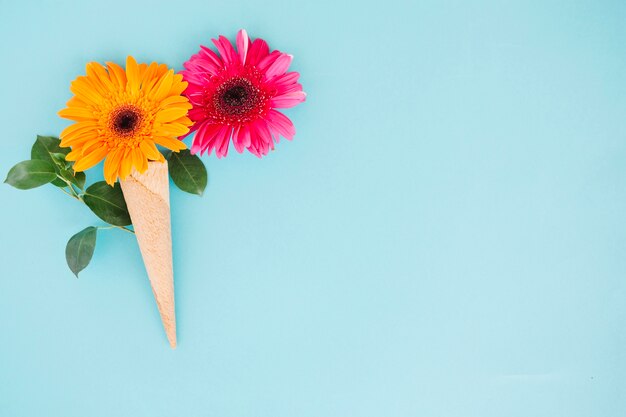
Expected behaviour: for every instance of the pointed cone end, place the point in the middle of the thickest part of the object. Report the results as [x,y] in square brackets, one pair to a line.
[168,319]
[171,337]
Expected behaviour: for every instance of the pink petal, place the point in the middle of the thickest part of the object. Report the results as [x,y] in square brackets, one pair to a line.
[197,113]
[285,83]
[200,138]
[242,45]
[207,141]
[246,136]
[269,60]
[265,135]
[222,141]
[278,67]
[195,147]
[258,50]
[288,100]
[255,140]
[226,50]
[211,56]
[193,76]
[237,138]
[281,124]
[254,151]
[205,61]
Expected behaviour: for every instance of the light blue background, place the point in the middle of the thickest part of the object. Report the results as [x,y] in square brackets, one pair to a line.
[444,237]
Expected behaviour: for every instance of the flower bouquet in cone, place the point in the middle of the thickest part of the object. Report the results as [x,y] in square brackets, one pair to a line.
[134,119]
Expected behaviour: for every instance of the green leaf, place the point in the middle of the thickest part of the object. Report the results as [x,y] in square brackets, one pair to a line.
[80,178]
[59,183]
[30,174]
[59,160]
[187,171]
[79,249]
[77,179]
[45,146]
[107,203]
[48,148]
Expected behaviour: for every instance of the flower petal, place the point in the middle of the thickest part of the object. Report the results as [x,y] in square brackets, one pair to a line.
[238,137]
[226,50]
[269,60]
[117,74]
[222,140]
[132,73]
[170,115]
[281,124]
[91,159]
[162,88]
[242,45]
[150,150]
[286,83]
[77,114]
[288,100]
[170,143]
[112,166]
[278,67]
[258,50]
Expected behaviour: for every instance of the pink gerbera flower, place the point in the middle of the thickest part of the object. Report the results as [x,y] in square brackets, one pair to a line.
[235,95]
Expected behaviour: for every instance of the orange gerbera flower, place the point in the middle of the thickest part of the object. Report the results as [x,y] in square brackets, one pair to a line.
[122,116]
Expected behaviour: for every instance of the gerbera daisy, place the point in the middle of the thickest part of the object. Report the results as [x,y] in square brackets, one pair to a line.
[121,115]
[235,94]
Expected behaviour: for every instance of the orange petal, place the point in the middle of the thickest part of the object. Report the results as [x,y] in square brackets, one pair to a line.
[184,121]
[112,166]
[73,155]
[163,87]
[175,101]
[78,139]
[91,144]
[150,150]
[126,164]
[142,70]
[92,159]
[149,74]
[139,160]
[94,79]
[99,72]
[117,74]
[169,115]
[86,91]
[132,72]
[76,102]
[77,127]
[172,129]
[173,144]
[162,69]
[178,85]
[77,113]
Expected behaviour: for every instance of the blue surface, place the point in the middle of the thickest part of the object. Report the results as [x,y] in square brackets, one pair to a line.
[444,237]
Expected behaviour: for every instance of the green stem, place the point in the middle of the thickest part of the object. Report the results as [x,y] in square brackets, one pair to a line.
[73,195]
[116,227]
[73,191]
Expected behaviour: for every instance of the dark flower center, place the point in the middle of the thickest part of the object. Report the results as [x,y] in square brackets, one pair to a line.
[125,120]
[236,97]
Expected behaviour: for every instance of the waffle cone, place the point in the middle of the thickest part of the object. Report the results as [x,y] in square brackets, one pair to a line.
[148,200]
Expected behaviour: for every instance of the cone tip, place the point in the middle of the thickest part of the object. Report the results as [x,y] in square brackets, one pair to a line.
[172,339]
